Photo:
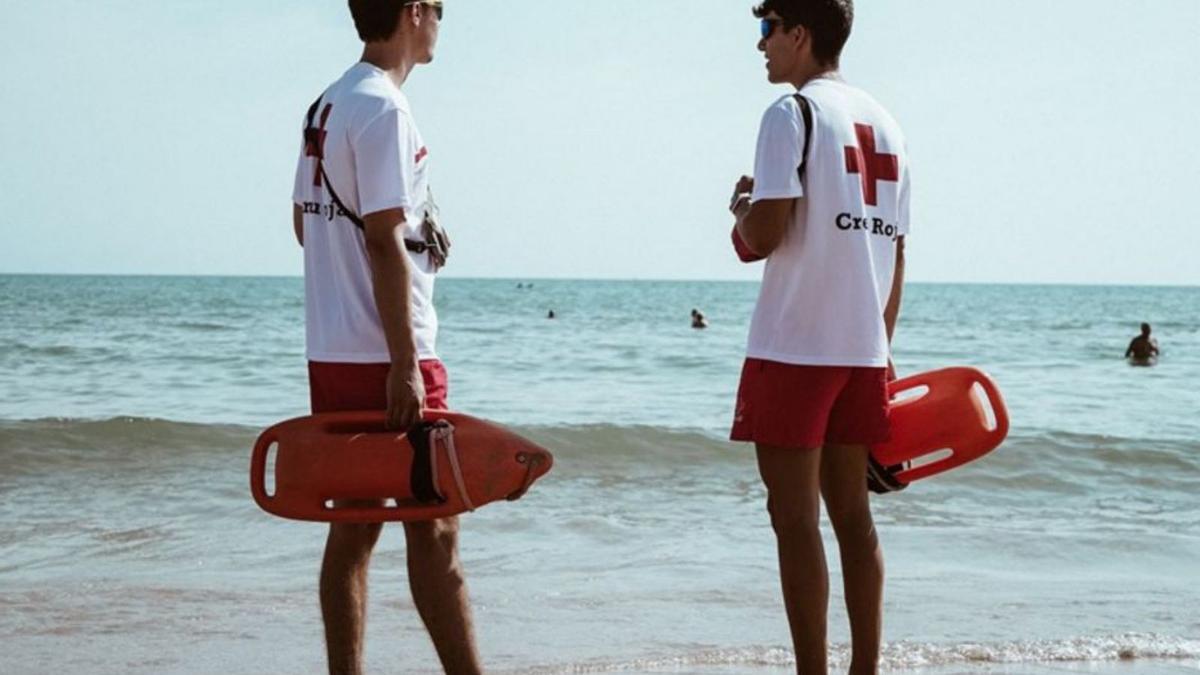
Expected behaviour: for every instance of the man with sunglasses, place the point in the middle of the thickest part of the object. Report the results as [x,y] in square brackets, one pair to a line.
[360,204]
[828,208]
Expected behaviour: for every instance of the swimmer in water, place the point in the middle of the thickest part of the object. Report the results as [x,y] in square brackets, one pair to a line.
[698,320]
[1143,347]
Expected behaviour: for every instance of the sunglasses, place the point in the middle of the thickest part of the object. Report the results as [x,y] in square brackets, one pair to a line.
[768,27]
[438,8]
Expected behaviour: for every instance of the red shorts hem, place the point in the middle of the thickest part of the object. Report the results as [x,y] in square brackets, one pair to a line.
[807,407]
[341,387]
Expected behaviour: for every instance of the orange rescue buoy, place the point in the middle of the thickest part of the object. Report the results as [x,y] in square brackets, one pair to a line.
[940,421]
[347,467]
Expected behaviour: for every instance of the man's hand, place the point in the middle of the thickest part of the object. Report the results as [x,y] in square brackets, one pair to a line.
[739,203]
[891,371]
[405,396]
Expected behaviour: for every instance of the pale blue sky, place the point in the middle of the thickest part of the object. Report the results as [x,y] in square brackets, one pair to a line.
[1051,141]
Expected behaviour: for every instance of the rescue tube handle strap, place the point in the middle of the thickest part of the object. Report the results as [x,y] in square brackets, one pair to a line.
[444,431]
[882,479]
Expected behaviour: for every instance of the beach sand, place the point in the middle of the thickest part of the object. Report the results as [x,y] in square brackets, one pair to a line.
[1097,668]
[1131,667]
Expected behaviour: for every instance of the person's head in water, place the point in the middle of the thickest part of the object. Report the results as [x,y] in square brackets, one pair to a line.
[410,26]
[803,38]
[1145,330]
[550,314]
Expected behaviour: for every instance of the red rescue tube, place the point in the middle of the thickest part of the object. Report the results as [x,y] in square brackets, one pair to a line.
[327,465]
[944,426]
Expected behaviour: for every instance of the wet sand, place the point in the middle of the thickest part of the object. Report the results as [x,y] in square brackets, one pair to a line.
[1130,667]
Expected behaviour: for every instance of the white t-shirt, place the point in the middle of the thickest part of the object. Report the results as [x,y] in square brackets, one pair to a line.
[375,159]
[825,287]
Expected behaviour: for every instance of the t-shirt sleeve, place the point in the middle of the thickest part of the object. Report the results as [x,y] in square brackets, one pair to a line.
[384,162]
[777,161]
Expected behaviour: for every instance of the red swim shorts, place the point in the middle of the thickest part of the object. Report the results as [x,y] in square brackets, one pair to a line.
[337,387]
[806,407]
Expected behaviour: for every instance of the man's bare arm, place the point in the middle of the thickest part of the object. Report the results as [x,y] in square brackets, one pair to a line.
[390,276]
[891,313]
[298,223]
[763,224]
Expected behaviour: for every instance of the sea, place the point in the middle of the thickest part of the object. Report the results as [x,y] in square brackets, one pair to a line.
[129,542]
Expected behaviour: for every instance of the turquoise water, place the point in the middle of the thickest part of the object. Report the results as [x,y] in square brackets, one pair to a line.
[130,543]
[230,350]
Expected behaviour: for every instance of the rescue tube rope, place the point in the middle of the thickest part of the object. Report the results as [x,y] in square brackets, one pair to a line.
[444,432]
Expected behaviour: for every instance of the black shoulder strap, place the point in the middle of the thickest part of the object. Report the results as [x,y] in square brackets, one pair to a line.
[312,140]
[310,128]
[338,202]
[807,112]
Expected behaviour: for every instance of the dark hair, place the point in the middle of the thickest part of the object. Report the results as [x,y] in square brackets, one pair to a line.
[1145,328]
[376,20]
[829,21]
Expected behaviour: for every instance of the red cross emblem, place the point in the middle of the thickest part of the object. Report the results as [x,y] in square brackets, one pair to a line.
[314,143]
[873,166]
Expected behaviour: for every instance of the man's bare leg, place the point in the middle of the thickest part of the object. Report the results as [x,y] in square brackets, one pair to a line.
[440,593]
[847,501]
[792,477]
[344,593]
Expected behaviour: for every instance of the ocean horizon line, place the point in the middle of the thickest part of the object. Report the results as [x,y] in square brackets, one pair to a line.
[452,277]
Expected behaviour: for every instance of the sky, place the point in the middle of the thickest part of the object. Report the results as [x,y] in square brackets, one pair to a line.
[1051,142]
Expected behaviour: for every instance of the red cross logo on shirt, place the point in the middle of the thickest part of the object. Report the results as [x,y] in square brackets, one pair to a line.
[314,143]
[873,166]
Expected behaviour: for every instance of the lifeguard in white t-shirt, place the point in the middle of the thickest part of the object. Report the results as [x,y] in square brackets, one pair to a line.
[362,203]
[828,209]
